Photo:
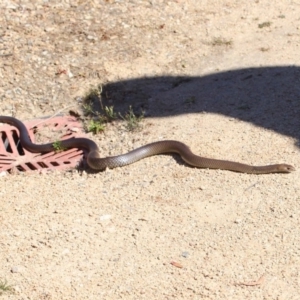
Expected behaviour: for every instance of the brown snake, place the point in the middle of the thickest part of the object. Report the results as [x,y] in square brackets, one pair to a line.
[167,146]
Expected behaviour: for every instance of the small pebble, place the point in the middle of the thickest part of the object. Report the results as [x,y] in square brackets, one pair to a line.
[185,254]
[105,217]
[15,269]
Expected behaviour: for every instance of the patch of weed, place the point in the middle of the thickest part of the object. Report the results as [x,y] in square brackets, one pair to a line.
[58,146]
[263,49]
[110,113]
[95,126]
[221,42]
[5,287]
[133,121]
[264,24]
[190,100]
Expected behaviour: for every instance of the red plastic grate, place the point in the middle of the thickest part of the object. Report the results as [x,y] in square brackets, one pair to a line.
[14,156]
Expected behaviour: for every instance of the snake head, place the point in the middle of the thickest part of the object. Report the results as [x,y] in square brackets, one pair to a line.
[284,168]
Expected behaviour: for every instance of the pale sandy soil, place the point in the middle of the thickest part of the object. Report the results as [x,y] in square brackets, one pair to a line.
[115,234]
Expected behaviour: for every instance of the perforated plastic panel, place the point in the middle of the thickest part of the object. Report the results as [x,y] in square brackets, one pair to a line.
[14,156]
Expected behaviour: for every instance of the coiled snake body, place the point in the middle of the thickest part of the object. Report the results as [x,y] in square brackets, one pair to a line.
[166,146]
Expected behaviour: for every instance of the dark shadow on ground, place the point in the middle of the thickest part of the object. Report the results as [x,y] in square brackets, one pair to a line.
[268,97]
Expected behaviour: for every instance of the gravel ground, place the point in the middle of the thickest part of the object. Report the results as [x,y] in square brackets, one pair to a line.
[221,76]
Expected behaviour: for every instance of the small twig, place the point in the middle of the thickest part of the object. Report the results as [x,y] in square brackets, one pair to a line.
[251,186]
[253,283]
[6,55]
[176,264]
[43,121]
[100,92]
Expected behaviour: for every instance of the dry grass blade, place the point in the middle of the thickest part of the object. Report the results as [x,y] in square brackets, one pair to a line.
[260,281]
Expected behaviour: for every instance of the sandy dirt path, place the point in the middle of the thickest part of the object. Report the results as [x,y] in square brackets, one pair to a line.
[221,76]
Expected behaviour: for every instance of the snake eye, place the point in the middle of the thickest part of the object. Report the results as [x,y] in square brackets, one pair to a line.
[289,168]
